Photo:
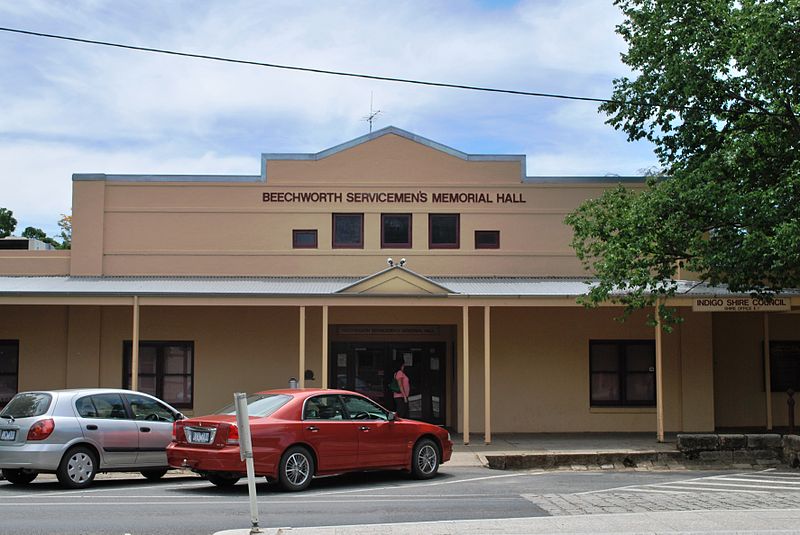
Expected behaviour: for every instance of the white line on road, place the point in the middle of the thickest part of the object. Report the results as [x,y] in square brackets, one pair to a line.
[722,484]
[700,489]
[638,485]
[776,481]
[426,484]
[658,491]
[239,503]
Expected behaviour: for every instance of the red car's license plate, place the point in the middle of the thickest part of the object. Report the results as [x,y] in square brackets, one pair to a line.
[199,437]
[8,434]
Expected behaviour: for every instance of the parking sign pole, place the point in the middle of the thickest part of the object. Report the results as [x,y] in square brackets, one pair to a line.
[246,454]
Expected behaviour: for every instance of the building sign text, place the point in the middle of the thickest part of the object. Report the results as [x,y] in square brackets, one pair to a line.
[389,197]
[740,304]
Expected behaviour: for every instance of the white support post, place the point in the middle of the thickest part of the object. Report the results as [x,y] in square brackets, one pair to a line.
[487,377]
[659,377]
[767,374]
[465,366]
[324,346]
[135,346]
[301,376]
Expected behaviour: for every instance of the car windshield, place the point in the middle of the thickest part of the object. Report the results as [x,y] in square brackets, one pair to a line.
[260,405]
[27,404]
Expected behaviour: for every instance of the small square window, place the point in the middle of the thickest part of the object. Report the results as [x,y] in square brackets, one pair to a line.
[304,239]
[348,231]
[396,231]
[487,239]
[443,231]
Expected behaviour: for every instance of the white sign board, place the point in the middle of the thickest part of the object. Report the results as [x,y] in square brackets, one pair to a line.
[740,304]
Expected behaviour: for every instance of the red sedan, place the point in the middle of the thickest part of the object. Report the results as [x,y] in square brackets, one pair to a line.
[298,434]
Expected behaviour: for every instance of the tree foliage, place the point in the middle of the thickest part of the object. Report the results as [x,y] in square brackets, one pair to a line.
[7,222]
[717,91]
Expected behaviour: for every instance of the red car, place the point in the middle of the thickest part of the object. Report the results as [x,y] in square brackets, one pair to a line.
[298,434]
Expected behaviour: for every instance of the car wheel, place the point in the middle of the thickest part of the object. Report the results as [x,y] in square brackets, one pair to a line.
[154,475]
[425,459]
[78,468]
[223,480]
[19,477]
[296,469]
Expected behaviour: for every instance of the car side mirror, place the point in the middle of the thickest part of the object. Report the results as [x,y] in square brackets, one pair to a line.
[392,416]
[180,416]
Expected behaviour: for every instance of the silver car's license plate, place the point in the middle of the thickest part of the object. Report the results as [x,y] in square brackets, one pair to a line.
[199,437]
[8,434]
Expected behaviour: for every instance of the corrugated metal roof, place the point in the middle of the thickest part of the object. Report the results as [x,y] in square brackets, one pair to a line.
[311,286]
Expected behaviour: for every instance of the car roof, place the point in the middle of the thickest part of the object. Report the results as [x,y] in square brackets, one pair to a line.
[307,392]
[84,391]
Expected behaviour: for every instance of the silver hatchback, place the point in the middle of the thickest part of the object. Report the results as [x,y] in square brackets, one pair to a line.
[77,433]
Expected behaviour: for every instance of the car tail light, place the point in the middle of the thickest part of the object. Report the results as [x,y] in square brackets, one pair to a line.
[41,429]
[175,432]
[233,435]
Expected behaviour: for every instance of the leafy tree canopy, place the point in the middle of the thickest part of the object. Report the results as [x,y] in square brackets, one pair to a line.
[7,222]
[717,91]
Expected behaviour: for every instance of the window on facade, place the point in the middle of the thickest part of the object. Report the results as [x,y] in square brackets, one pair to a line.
[622,373]
[784,365]
[396,230]
[304,239]
[487,239]
[9,369]
[166,370]
[443,231]
[348,231]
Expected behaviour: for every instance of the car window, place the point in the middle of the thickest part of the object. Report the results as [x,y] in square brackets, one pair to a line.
[27,404]
[144,408]
[324,408]
[85,407]
[260,405]
[109,406]
[359,408]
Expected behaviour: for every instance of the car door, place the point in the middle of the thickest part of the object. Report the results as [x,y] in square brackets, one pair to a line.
[105,422]
[332,435]
[154,421]
[381,443]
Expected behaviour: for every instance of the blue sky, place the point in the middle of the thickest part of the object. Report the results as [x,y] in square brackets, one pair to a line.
[72,108]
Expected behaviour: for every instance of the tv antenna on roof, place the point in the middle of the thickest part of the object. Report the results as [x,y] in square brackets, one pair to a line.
[372,113]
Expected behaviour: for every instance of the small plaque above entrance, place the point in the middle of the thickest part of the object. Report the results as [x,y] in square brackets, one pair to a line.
[740,304]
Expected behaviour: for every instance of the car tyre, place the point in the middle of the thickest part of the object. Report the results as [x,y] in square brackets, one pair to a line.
[223,480]
[296,469]
[154,475]
[19,476]
[425,459]
[78,468]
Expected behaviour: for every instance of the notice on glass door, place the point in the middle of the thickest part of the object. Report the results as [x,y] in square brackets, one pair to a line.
[434,363]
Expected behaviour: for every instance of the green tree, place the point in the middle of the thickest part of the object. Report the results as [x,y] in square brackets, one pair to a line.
[717,91]
[7,222]
[39,234]
[65,224]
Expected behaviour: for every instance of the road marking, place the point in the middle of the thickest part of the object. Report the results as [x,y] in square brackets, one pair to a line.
[389,499]
[701,484]
[426,484]
[700,489]
[776,481]
[657,491]
[640,485]
[76,492]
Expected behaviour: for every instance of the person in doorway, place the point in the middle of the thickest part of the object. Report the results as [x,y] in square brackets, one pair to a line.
[401,397]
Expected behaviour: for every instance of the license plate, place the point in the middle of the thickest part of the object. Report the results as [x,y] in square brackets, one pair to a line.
[200,437]
[8,434]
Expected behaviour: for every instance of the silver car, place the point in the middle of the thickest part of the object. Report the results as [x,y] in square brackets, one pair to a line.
[77,433]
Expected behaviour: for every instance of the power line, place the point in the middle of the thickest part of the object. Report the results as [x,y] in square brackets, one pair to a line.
[358,75]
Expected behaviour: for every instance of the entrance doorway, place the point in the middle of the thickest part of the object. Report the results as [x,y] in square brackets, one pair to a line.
[368,367]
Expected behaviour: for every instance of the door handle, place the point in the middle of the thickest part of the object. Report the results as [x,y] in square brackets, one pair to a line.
[363,428]
[91,427]
[144,429]
[313,428]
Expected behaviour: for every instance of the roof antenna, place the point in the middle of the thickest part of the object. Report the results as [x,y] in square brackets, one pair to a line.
[372,114]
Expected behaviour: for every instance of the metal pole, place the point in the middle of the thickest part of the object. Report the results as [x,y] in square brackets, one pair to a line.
[135,346]
[246,455]
[659,377]
[324,346]
[767,376]
[465,350]
[790,410]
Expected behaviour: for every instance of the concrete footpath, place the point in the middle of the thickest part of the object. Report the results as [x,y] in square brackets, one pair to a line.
[750,521]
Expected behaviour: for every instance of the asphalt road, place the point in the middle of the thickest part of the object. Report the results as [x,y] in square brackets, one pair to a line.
[120,505]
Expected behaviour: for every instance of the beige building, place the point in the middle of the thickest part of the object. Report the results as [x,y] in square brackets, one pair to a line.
[239,283]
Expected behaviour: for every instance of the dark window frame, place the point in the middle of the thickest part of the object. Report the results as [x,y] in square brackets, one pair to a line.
[623,374]
[335,245]
[778,382]
[295,232]
[404,245]
[496,245]
[15,374]
[127,357]
[456,245]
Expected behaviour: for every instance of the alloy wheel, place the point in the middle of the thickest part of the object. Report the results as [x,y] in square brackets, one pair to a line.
[297,468]
[426,459]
